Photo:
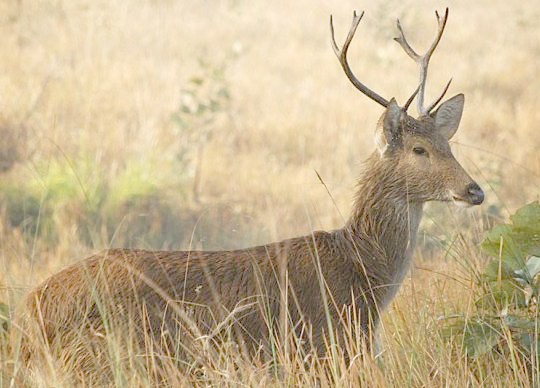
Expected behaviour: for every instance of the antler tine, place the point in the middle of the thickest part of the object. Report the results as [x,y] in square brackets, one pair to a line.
[411,98]
[442,25]
[403,42]
[342,56]
[423,61]
[434,103]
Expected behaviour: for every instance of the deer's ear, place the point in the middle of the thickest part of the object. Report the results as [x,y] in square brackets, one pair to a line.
[388,130]
[448,116]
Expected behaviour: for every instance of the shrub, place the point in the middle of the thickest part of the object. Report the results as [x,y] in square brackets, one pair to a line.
[505,316]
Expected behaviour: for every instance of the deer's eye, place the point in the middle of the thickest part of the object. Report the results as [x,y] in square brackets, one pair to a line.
[420,151]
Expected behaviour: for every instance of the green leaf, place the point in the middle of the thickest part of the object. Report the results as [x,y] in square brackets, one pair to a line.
[492,241]
[479,339]
[509,284]
[224,93]
[514,242]
[530,343]
[491,273]
[533,266]
[520,322]
[502,294]
[499,243]
[456,327]
[196,80]
[528,217]
[526,228]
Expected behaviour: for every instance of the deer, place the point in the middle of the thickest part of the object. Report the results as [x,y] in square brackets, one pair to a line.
[178,298]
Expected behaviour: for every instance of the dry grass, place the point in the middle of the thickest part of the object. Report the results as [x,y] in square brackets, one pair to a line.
[94,86]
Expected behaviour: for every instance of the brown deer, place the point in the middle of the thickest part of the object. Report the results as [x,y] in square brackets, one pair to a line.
[313,283]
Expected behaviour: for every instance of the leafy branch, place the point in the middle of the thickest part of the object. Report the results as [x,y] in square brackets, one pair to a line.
[506,312]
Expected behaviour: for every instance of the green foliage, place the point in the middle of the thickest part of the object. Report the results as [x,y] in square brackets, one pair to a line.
[514,242]
[204,95]
[24,209]
[506,312]
[103,206]
[204,100]
[136,180]
[36,203]
[477,336]
[143,201]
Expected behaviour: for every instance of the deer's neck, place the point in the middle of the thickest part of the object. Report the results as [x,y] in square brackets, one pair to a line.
[384,219]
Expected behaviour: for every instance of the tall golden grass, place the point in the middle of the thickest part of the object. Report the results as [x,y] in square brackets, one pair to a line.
[88,96]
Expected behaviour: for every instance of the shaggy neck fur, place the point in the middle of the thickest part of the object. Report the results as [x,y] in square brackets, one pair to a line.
[385,220]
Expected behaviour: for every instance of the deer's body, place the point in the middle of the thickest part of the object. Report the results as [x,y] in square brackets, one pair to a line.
[365,260]
[307,283]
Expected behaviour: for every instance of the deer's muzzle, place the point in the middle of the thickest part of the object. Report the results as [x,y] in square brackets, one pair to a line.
[475,194]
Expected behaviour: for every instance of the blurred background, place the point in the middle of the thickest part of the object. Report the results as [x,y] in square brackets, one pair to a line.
[201,124]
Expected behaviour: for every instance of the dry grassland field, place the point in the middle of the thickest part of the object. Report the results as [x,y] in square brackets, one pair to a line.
[164,124]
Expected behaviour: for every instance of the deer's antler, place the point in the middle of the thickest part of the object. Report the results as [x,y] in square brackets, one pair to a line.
[423,61]
[342,56]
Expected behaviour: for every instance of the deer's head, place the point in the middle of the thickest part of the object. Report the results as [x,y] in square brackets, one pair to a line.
[417,150]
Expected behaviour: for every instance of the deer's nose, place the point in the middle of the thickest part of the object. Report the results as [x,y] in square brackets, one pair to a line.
[476,195]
